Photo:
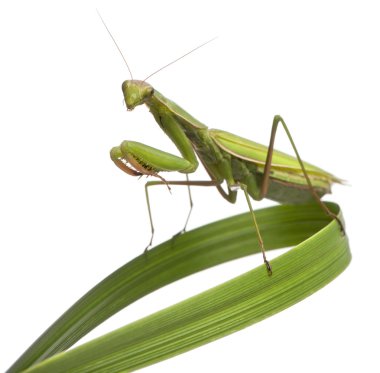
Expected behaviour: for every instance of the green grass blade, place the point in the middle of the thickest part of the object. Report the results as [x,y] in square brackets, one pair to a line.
[322,254]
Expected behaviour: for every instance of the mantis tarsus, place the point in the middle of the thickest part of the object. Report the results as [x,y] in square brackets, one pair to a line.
[260,171]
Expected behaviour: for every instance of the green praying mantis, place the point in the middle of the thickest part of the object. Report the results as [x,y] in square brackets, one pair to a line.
[259,171]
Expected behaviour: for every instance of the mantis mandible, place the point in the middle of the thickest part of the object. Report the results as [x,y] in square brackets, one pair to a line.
[259,171]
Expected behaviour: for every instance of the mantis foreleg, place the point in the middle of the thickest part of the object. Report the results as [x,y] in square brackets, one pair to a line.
[265,182]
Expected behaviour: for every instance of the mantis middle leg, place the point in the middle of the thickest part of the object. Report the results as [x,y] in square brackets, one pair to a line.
[231,196]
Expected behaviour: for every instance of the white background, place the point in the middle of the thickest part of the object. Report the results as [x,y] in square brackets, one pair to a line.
[69,217]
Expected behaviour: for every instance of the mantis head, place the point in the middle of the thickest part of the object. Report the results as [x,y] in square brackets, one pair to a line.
[136,92]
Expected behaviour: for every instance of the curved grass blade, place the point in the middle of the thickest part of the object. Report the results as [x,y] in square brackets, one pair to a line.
[322,254]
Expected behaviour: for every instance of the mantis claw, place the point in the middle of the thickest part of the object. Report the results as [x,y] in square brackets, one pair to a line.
[150,242]
[182,231]
[269,267]
[164,181]
[147,248]
[342,230]
[175,236]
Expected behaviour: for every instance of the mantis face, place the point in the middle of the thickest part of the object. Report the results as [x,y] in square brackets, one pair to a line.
[136,92]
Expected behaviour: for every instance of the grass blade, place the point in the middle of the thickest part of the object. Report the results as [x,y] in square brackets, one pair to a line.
[322,253]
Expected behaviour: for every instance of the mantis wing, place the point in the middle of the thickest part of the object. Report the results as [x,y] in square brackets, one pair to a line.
[284,165]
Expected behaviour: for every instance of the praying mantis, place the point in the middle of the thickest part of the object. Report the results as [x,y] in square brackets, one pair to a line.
[259,171]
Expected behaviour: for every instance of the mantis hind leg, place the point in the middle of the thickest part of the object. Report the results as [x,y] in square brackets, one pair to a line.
[265,181]
[256,226]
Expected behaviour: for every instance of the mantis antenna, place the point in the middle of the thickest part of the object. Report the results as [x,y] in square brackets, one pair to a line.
[179,58]
[121,53]
[161,68]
